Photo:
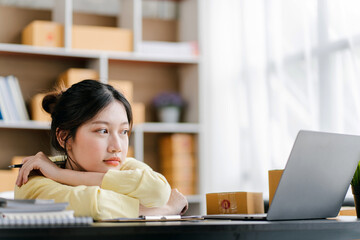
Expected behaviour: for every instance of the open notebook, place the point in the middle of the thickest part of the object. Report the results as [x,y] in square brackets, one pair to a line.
[315,180]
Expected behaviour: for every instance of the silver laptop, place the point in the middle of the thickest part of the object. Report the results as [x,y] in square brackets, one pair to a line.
[315,180]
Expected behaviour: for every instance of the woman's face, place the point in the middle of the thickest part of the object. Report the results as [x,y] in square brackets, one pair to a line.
[101,143]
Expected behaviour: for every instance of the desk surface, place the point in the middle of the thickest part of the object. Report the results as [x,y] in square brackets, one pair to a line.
[341,228]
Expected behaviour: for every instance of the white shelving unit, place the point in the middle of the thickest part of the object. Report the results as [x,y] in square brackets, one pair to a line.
[107,64]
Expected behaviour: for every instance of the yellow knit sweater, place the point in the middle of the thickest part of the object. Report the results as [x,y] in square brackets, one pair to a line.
[120,193]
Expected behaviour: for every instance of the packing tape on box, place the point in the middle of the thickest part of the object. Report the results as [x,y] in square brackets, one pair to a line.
[227,203]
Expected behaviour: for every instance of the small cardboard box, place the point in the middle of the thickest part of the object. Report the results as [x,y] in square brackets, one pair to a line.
[179,174]
[138,110]
[184,160]
[176,144]
[274,178]
[347,211]
[185,187]
[75,75]
[234,203]
[8,179]
[43,33]
[17,160]
[130,152]
[124,87]
[102,38]
[37,112]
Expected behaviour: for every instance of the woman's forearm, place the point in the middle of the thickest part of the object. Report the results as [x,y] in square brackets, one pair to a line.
[76,178]
[164,210]
[177,204]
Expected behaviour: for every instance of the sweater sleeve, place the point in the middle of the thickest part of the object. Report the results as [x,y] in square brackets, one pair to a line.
[137,180]
[85,201]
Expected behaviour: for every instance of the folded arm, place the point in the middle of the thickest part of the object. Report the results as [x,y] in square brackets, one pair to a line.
[135,179]
[84,200]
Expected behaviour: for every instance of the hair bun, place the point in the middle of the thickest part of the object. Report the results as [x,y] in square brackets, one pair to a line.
[50,101]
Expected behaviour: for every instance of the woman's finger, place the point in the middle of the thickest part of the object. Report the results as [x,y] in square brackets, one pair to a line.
[26,159]
[24,172]
[18,180]
[20,177]
[25,178]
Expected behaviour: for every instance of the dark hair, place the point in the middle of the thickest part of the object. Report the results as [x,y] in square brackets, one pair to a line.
[81,102]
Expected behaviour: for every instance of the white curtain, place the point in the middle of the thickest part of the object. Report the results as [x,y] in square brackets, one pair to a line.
[269,69]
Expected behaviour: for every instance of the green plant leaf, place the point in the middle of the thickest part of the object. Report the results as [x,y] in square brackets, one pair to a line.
[356,178]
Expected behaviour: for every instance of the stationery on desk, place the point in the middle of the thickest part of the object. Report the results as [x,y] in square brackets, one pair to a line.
[165,218]
[59,163]
[38,212]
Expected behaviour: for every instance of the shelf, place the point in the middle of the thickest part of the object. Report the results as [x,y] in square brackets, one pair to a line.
[143,127]
[93,54]
[45,51]
[33,125]
[163,58]
[166,128]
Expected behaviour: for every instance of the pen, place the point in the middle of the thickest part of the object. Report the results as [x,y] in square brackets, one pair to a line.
[20,165]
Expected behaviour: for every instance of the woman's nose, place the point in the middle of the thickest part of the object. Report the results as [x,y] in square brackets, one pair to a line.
[114,145]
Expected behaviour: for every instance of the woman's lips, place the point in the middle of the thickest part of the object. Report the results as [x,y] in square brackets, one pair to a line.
[114,161]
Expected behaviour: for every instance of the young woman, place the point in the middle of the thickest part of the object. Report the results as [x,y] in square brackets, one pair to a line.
[91,124]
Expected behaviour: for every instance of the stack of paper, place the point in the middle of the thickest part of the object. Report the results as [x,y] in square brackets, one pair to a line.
[38,212]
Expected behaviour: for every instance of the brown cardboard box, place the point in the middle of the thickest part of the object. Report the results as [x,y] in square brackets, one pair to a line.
[17,159]
[102,38]
[177,143]
[347,211]
[234,203]
[185,160]
[186,188]
[43,33]
[8,177]
[124,87]
[75,75]
[274,178]
[37,112]
[179,174]
[178,161]
[130,152]
[138,110]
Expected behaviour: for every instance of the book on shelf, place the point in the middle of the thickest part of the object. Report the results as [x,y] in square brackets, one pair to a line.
[19,212]
[17,97]
[5,101]
[166,10]
[12,104]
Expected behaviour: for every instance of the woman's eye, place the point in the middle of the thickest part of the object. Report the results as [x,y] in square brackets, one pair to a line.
[125,132]
[102,131]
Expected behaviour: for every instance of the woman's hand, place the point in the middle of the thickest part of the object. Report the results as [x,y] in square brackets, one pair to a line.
[177,204]
[37,162]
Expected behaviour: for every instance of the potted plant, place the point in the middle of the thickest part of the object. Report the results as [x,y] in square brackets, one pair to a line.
[355,187]
[168,106]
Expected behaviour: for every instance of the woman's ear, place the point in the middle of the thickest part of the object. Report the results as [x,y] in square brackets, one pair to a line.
[61,136]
